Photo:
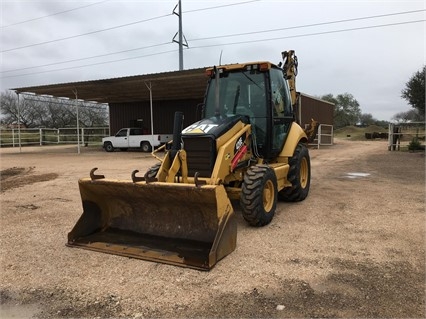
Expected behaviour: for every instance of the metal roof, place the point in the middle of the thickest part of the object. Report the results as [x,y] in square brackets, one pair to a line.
[174,85]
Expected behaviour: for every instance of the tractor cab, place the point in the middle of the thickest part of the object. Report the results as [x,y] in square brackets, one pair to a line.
[257,91]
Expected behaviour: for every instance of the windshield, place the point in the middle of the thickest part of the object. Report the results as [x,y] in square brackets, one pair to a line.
[239,93]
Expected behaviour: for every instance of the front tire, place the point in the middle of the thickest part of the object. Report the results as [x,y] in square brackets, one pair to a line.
[299,175]
[108,147]
[258,198]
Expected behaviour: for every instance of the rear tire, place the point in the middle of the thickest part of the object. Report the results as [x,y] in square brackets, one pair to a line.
[108,147]
[146,147]
[299,175]
[258,198]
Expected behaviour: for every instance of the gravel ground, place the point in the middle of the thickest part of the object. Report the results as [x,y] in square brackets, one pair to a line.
[354,248]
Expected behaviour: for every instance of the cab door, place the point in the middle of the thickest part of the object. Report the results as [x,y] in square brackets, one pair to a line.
[121,138]
[135,137]
[282,113]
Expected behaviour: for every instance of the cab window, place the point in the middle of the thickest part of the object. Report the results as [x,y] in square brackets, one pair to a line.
[122,132]
[135,131]
[280,97]
[281,109]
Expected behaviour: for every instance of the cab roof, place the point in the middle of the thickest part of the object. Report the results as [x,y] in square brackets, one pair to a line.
[241,66]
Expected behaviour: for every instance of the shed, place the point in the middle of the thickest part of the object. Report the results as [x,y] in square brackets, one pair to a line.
[129,99]
[314,108]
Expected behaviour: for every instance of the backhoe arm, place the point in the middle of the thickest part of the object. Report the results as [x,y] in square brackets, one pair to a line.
[290,69]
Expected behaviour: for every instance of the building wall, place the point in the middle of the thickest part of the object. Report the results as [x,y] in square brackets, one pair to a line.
[313,108]
[126,114]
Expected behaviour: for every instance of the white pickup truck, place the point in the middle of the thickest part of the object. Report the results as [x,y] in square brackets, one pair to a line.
[134,138]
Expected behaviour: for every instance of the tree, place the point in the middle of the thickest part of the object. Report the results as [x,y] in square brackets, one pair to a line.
[414,91]
[9,109]
[346,109]
[367,119]
[409,116]
[382,123]
[38,111]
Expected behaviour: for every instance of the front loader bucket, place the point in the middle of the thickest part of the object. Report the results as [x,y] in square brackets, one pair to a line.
[179,224]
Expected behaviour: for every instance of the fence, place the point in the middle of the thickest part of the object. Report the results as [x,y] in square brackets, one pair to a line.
[46,136]
[401,135]
[325,136]
[94,135]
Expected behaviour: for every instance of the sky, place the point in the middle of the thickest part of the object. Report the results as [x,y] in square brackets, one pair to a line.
[367,48]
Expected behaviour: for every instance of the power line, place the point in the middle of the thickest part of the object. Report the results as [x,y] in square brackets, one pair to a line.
[87,65]
[308,25]
[119,26]
[222,6]
[226,44]
[311,34]
[87,33]
[53,14]
[87,58]
[221,36]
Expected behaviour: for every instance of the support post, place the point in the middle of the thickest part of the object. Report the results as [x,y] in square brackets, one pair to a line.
[19,124]
[319,136]
[149,87]
[78,121]
[390,136]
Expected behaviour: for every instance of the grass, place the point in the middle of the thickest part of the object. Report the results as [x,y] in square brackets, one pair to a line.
[358,133]
[409,134]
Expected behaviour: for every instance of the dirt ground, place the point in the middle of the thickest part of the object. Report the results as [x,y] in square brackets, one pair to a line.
[354,248]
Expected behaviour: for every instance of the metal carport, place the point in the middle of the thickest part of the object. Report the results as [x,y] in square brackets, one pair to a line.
[166,85]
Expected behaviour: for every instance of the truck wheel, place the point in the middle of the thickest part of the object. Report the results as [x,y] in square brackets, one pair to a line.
[108,147]
[258,198]
[299,175]
[146,147]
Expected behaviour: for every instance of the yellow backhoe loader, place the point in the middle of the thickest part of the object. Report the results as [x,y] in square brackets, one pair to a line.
[247,147]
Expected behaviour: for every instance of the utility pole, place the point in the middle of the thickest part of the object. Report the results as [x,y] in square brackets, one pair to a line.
[180,35]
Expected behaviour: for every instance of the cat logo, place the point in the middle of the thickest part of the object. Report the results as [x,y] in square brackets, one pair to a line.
[240,142]
[199,128]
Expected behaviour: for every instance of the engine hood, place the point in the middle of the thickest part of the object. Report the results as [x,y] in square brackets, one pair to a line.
[214,126]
